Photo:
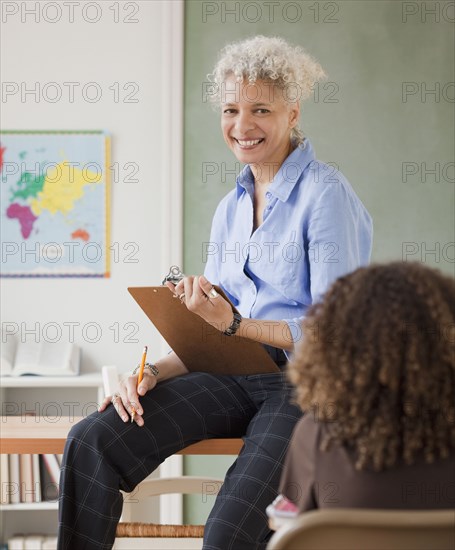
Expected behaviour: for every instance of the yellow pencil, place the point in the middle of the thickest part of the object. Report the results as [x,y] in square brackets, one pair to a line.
[139,379]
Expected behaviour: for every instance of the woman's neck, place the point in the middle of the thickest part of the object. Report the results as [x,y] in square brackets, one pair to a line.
[265,172]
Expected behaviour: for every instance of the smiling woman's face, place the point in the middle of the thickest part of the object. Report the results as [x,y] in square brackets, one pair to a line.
[256,121]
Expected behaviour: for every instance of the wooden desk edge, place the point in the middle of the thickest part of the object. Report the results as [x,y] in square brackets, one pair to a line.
[16,445]
[218,446]
[19,440]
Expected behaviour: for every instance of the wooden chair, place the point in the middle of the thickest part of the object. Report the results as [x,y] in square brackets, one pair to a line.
[147,536]
[154,536]
[356,529]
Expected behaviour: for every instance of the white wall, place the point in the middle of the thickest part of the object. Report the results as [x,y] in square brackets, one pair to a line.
[106,52]
[147,52]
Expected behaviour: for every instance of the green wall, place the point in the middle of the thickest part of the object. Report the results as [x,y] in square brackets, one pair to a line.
[375,118]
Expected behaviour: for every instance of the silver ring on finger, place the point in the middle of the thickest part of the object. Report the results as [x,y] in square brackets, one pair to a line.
[213,293]
[115,397]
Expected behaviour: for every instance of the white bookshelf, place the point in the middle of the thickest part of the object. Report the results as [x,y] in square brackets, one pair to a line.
[41,516]
[32,506]
[91,380]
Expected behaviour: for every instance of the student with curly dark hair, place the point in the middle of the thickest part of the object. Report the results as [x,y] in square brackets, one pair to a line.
[375,373]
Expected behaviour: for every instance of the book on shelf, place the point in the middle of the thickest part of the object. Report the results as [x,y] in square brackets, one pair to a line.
[32,542]
[4,480]
[36,478]
[49,543]
[50,476]
[27,488]
[40,358]
[29,478]
[14,479]
[16,543]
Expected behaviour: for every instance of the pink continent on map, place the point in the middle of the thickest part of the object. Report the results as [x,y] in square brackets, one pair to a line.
[25,217]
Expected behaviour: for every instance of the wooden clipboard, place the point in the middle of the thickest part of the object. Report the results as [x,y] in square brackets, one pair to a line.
[201,347]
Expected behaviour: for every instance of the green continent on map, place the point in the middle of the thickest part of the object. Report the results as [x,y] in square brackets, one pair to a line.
[28,186]
[63,186]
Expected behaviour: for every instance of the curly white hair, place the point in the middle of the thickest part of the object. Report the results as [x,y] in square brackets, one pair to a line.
[273,59]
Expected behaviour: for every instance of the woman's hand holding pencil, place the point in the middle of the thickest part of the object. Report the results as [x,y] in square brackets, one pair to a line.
[126,399]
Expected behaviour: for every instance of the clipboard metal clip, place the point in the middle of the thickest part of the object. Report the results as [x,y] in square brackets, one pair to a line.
[174,276]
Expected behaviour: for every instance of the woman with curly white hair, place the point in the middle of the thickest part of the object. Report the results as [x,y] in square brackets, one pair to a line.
[288,229]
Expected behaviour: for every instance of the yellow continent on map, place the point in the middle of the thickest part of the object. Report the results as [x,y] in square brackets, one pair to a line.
[63,185]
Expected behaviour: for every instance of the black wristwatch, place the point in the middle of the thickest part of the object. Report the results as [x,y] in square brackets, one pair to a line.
[233,327]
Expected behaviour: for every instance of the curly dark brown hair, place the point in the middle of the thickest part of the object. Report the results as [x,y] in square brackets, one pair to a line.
[377,364]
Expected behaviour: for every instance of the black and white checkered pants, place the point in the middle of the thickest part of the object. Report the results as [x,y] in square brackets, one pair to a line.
[104,454]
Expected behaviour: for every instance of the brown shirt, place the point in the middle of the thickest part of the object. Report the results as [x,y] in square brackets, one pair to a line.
[327,479]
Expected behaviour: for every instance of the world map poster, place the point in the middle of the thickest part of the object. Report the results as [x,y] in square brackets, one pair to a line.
[54,209]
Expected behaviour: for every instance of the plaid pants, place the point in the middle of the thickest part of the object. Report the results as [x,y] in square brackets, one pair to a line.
[104,454]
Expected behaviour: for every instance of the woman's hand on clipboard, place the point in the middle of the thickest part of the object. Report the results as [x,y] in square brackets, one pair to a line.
[200,297]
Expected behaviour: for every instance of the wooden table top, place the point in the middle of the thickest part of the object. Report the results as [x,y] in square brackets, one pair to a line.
[42,435]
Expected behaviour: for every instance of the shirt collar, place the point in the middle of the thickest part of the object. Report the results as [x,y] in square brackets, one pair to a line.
[287,176]
[245,181]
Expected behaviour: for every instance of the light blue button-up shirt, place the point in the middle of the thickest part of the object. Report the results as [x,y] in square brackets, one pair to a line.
[314,230]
